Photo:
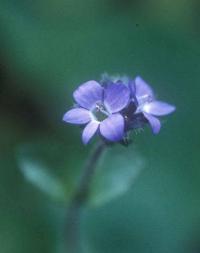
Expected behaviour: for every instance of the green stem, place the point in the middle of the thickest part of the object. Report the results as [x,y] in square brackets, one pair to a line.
[79,200]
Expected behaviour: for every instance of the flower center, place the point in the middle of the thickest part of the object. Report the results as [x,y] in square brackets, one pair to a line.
[142,100]
[100,112]
[145,99]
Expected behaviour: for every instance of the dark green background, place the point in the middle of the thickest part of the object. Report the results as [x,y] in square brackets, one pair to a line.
[48,48]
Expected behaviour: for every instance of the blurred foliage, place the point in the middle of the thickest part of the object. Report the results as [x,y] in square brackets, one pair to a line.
[114,176]
[47,49]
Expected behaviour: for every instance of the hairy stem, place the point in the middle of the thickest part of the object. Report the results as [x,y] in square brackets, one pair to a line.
[79,199]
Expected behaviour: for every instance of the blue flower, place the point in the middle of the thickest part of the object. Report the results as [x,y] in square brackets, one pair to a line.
[147,105]
[115,108]
[98,107]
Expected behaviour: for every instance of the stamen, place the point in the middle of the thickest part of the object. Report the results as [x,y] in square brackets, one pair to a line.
[100,112]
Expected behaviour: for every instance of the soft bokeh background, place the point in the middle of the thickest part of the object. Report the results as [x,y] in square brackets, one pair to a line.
[48,48]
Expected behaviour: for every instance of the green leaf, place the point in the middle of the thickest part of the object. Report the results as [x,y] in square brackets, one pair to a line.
[39,175]
[115,175]
[45,165]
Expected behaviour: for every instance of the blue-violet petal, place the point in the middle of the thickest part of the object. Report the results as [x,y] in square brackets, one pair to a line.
[158,108]
[116,97]
[77,116]
[154,123]
[132,87]
[142,88]
[89,131]
[112,128]
[88,94]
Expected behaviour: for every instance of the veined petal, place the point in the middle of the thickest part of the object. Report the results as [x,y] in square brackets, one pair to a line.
[154,123]
[116,97]
[112,128]
[143,90]
[158,108]
[88,94]
[77,116]
[89,131]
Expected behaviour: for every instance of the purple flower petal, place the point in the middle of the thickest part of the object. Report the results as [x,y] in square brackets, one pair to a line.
[142,88]
[112,128]
[154,123]
[88,94]
[77,116]
[158,108]
[116,97]
[89,131]
[131,85]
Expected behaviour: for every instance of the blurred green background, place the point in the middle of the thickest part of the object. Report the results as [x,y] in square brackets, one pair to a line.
[48,48]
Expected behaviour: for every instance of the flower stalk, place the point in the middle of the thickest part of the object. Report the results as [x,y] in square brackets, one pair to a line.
[79,200]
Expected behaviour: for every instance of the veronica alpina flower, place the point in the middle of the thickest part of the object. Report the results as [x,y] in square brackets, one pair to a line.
[147,105]
[99,108]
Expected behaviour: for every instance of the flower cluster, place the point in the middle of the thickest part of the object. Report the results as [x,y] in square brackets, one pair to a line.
[114,107]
